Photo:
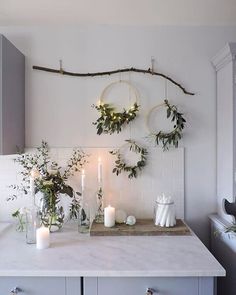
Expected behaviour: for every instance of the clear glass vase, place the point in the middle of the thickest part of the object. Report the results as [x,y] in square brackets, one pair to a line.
[51,213]
[21,223]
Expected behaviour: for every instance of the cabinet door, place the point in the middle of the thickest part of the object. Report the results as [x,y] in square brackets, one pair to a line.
[12,97]
[138,286]
[33,285]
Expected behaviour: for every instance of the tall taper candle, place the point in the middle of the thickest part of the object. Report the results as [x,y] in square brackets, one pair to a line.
[32,186]
[34,173]
[83,180]
[99,170]
[109,216]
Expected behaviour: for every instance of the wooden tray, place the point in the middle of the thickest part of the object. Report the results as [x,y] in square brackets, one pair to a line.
[143,227]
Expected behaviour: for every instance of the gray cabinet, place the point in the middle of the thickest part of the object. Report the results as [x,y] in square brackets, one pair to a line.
[40,286]
[12,98]
[223,247]
[139,286]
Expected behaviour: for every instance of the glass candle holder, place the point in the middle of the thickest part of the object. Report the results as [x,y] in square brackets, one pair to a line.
[84,219]
[32,223]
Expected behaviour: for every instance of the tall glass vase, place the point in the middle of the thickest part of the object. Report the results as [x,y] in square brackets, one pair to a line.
[51,212]
[99,215]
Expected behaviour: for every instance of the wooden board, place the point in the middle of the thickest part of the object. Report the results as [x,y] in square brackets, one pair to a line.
[143,227]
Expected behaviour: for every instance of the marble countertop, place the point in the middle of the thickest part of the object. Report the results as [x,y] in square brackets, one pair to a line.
[74,254]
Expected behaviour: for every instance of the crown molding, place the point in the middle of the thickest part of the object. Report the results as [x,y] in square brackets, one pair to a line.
[224,56]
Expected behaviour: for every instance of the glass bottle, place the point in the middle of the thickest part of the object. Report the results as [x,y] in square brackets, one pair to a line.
[32,223]
[84,216]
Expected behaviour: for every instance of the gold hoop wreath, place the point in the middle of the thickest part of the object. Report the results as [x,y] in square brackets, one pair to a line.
[122,166]
[168,139]
[110,120]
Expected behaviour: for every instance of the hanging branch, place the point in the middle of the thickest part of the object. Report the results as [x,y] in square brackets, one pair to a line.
[149,71]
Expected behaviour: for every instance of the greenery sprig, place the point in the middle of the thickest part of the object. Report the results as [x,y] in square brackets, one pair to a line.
[171,138]
[120,164]
[111,121]
[231,228]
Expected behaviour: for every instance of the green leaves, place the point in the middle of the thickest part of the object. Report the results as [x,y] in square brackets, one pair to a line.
[231,228]
[52,182]
[121,166]
[110,121]
[171,138]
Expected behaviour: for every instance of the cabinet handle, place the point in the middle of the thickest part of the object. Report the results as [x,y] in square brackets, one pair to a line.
[15,291]
[149,291]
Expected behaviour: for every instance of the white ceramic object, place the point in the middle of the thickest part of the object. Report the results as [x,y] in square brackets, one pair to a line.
[131,220]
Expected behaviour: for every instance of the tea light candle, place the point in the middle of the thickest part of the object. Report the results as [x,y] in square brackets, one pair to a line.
[99,170]
[83,180]
[42,238]
[109,216]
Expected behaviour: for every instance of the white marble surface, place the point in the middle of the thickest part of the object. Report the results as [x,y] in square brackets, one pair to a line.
[4,226]
[73,254]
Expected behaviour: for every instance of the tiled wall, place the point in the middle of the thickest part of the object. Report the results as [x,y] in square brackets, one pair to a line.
[164,173]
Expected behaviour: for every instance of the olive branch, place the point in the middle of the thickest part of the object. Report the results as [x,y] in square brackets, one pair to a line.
[171,138]
[120,164]
[111,121]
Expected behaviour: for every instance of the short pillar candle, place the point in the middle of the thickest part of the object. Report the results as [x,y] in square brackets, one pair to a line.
[42,238]
[109,216]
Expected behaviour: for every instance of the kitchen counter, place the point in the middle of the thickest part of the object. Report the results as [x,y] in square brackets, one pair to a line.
[72,254]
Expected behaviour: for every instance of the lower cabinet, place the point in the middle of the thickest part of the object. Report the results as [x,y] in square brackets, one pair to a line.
[149,286]
[106,286]
[39,286]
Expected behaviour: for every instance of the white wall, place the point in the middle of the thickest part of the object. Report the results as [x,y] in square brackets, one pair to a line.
[58,109]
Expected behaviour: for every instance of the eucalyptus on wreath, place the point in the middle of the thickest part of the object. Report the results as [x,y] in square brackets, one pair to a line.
[111,121]
[121,165]
[171,138]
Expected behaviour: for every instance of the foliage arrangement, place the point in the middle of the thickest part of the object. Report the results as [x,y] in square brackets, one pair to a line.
[120,164]
[171,138]
[111,121]
[51,182]
[231,228]
[19,214]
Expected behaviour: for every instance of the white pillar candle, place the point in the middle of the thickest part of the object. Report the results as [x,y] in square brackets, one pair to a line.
[109,216]
[99,170]
[42,238]
[83,180]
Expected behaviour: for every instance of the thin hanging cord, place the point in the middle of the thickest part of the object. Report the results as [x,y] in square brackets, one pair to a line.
[130,124]
[166,90]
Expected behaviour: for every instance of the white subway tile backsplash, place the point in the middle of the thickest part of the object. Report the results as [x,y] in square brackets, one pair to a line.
[164,173]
